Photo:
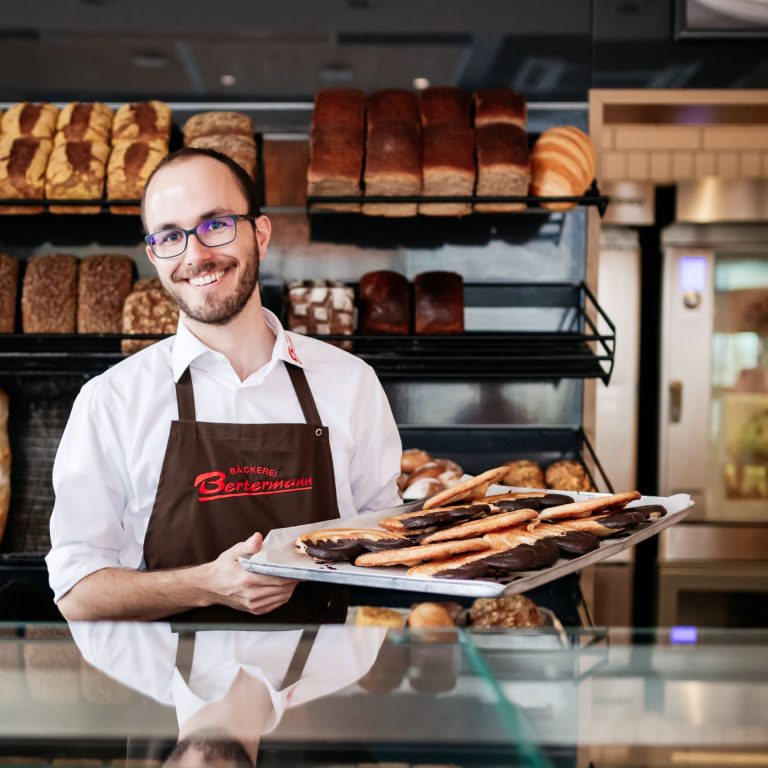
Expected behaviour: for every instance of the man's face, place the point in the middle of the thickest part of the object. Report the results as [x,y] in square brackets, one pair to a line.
[210,285]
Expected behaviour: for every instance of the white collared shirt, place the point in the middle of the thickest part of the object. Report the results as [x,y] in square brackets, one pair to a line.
[108,463]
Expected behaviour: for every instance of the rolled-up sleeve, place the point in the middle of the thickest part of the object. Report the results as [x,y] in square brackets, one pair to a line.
[90,484]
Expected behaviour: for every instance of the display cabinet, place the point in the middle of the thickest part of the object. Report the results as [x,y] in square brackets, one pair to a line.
[513,385]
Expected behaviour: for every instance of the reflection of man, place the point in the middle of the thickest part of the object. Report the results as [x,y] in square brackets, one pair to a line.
[228,688]
[181,458]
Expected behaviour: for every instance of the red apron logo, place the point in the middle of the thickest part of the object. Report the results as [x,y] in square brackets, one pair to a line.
[292,349]
[213,486]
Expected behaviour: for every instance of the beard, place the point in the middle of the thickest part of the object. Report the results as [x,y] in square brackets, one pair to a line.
[217,310]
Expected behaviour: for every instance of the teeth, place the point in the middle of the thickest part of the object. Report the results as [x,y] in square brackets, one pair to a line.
[206,279]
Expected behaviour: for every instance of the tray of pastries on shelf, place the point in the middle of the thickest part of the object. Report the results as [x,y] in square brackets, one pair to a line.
[442,152]
[476,538]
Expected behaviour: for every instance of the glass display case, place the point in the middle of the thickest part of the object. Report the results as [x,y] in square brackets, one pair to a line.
[99,694]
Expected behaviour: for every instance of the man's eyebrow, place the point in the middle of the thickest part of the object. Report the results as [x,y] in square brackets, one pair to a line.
[202,217]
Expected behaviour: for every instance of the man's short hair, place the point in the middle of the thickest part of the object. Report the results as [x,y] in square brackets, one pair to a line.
[245,182]
[214,746]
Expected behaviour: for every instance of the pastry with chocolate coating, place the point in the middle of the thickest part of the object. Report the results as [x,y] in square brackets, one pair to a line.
[421,552]
[473,488]
[333,545]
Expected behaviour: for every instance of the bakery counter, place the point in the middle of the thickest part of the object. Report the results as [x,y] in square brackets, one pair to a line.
[345,695]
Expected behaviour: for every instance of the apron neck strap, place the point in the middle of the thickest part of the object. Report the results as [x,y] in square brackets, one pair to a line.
[301,386]
[185,396]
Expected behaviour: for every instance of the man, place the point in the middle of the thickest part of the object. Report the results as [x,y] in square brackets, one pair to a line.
[177,461]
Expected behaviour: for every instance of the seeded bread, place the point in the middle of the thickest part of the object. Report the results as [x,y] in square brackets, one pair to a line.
[148,311]
[217,124]
[104,285]
[241,149]
[9,284]
[49,294]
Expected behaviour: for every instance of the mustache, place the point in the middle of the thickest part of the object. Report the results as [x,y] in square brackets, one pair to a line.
[204,269]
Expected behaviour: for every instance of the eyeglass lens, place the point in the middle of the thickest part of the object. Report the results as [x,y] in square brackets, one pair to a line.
[211,232]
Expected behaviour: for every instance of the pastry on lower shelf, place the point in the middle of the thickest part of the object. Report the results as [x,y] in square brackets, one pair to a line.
[9,286]
[49,294]
[22,171]
[506,611]
[104,285]
[567,475]
[524,473]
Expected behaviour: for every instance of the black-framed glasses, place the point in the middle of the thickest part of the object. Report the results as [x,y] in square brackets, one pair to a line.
[220,230]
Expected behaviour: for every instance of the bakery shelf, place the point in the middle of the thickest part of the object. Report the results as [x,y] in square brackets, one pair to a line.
[479,447]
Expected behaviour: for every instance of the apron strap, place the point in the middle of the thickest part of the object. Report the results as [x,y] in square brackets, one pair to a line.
[301,386]
[185,397]
[185,651]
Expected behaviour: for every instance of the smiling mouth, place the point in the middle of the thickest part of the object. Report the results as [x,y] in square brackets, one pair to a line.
[211,277]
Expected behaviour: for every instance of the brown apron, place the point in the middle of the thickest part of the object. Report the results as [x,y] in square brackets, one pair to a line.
[220,483]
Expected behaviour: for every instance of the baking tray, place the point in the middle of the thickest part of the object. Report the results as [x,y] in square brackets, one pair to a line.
[278,557]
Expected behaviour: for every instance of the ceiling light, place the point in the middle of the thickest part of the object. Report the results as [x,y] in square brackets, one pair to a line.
[150,60]
[227,80]
[420,83]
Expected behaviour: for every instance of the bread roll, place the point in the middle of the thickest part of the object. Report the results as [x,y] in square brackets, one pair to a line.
[372,616]
[449,168]
[444,105]
[144,120]
[103,286]
[506,611]
[49,294]
[130,165]
[9,284]
[217,124]
[503,165]
[429,615]
[524,473]
[29,120]
[22,171]
[241,149]
[499,105]
[383,303]
[413,458]
[76,170]
[150,310]
[563,164]
[339,107]
[567,475]
[84,122]
[5,464]
[438,303]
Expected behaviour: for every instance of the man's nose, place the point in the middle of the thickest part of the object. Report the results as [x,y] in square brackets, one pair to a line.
[196,250]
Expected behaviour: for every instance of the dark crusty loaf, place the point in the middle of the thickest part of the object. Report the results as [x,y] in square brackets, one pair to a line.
[393,105]
[103,286]
[336,146]
[130,165]
[242,149]
[150,310]
[217,124]
[9,285]
[503,165]
[84,122]
[499,105]
[438,303]
[145,120]
[449,168]
[445,105]
[383,303]
[76,170]
[22,171]
[32,120]
[49,294]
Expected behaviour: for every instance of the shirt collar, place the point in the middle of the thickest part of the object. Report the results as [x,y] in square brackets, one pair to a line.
[187,347]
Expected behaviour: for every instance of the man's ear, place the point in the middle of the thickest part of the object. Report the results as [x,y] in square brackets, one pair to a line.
[151,256]
[262,229]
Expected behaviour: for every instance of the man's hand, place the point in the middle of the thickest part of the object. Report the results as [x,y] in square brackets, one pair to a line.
[228,583]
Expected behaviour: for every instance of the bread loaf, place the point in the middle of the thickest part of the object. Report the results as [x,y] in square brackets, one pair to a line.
[242,149]
[503,165]
[150,310]
[321,307]
[563,164]
[5,464]
[9,283]
[383,303]
[336,147]
[144,120]
[22,171]
[130,165]
[393,151]
[449,168]
[49,294]
[76,171]
[84,122]
[567,475]
[499,105]
[524,473]
[438,303]
[217,124]
[29,120]
[444,105]
[103,286]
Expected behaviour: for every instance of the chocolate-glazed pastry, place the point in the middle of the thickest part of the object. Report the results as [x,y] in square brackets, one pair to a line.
[537,503]
[343,544]
[576,543]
